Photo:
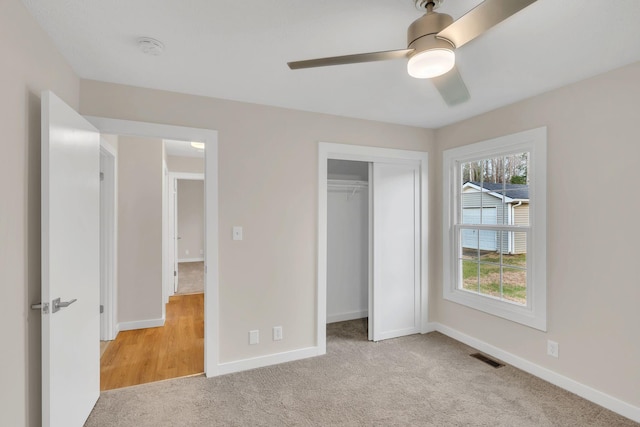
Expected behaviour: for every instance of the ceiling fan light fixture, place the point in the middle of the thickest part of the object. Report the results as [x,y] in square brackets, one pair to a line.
[431,63]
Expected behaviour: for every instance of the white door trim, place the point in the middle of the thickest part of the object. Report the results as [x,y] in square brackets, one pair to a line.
[109,242]
[360,153]
[210,138]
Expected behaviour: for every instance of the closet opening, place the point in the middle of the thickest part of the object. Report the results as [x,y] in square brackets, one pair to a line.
[348,250]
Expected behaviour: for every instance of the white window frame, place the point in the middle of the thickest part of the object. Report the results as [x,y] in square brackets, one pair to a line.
[533,141]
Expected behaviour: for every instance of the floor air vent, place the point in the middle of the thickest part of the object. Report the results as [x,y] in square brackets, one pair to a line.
[487,360]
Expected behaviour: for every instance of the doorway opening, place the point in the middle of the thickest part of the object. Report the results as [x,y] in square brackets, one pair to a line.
[108,240]
[348,255]
[211,289]
[186,232]
[395,223]
[159,332]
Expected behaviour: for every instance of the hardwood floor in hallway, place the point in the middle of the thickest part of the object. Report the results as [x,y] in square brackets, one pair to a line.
[154,354]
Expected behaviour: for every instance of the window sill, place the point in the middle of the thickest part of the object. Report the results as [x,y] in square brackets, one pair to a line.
[515,313]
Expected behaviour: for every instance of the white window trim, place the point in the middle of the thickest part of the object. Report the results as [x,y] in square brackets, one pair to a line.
[535,142]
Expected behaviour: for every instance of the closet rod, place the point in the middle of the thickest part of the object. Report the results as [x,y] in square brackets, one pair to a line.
[342,183]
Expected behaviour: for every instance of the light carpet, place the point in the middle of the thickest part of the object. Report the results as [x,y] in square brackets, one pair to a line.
[190,277]
[419,380]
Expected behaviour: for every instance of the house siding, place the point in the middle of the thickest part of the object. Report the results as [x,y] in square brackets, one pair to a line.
[520,217]
[472,198]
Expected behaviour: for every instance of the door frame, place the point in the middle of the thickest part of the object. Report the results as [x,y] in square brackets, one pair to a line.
[360,153]
[172,197]
[211,286]
[109,242]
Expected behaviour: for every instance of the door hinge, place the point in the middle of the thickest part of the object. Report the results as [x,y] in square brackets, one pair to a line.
[101,176]
[101,308]
[175,273]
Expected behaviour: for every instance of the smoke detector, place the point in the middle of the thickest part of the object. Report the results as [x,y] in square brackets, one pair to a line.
[150,46]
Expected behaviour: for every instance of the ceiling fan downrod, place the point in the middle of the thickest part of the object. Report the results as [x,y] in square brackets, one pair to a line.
[428,5]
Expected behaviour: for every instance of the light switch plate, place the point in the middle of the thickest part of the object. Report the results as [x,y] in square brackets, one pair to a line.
[254,337]
[237,232]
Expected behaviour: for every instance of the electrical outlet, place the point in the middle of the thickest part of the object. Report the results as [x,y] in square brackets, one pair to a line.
[254,337]
[552,348]
[186,251]
[277,333]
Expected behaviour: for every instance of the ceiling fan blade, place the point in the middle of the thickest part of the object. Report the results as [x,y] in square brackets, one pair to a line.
[452,87]
[480,19]
[350,59]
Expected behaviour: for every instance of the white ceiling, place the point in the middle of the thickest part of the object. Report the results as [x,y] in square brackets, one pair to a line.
[181,148]
[238,50]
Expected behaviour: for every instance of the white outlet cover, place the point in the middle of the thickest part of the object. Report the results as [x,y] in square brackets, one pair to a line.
[277,333]
[552,348]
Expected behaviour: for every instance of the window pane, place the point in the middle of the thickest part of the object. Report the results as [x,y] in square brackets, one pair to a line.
[490,277]
[517,168]
[470,275]
[519,208]
[470,253]
[517,254]
[514,285]
[471,171]
[502,242]
[498,188]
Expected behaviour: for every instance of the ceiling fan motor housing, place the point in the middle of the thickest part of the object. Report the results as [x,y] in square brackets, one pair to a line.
[421,34]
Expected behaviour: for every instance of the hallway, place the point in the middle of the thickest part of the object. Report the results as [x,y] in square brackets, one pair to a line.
[154,354]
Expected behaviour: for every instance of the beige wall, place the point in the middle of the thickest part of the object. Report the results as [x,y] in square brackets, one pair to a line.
[593,288]
[593,292]
[268,184]
[30,64]
[190,219]
[185,164]
[140,175]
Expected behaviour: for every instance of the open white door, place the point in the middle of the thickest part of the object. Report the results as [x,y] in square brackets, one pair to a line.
[176,237]
[70,265]
[396,250]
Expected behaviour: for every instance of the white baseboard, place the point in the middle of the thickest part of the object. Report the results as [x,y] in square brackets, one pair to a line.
[612,403]
[116,331]
[201,259]
[343,317]
[140,324]
[267,360]
[429,327]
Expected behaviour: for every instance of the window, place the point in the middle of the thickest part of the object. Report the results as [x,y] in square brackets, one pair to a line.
[494,226]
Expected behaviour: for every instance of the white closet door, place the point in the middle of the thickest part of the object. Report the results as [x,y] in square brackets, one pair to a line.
[396,250]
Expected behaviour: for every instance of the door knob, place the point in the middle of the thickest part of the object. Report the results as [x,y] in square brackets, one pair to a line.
[57,304]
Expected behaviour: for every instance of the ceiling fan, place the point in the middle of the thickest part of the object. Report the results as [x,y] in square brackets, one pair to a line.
[431,42]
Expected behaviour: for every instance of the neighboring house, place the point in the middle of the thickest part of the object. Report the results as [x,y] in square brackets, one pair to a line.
[491,203]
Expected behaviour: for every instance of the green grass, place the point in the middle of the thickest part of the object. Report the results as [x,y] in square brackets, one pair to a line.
[514,287]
